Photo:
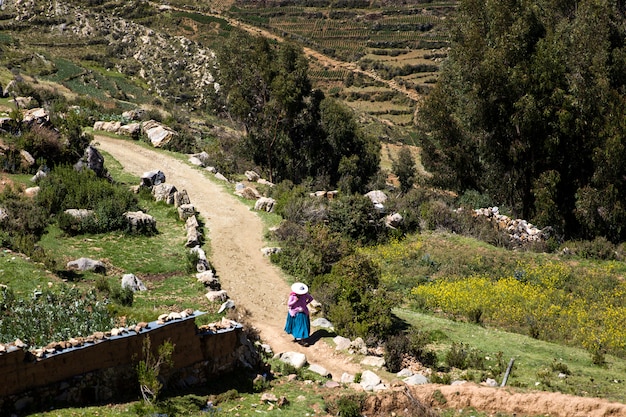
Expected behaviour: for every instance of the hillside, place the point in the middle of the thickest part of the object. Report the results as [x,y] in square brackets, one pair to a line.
[100,58]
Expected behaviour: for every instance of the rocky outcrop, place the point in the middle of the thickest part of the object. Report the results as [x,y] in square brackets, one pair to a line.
[87,264]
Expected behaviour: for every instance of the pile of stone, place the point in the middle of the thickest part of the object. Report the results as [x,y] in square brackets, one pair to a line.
[223,324]
[520,231]
[157,133]
[174,315]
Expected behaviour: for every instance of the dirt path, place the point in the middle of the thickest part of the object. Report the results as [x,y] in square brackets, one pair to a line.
[252,282]
[236,239]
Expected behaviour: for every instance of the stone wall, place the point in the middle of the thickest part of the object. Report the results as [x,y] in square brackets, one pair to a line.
[105,371]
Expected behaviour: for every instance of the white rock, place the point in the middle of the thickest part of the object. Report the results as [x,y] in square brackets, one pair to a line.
[295,359]
[319,369]
[369,380]
[375,361]
[342,343]
[416,379]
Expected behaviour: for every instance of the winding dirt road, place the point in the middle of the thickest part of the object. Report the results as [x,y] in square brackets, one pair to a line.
[253,283]
[235,238]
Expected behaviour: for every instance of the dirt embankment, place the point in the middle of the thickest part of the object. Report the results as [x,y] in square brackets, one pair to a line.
[252,282]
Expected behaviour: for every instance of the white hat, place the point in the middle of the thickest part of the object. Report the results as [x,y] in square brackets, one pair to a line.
[299,288]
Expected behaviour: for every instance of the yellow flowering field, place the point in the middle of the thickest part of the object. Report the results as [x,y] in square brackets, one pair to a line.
[548,302]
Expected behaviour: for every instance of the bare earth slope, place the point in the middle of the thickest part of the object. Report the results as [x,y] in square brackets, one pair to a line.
[253,283]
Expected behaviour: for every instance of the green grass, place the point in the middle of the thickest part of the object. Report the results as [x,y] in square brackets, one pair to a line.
[534,359]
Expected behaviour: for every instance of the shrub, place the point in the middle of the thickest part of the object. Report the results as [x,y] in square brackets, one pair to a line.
[356,218]
[149,368]
[25,221]
[122,296]
[346,406]
[66,188]
[457,356]
[352,299]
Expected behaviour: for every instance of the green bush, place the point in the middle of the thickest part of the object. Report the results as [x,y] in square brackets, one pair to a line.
[356,218]
[346,406]
[353,300]
[66,188]
[25,221]
[122,296]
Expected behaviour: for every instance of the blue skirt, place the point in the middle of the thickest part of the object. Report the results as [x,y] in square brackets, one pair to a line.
[298,326]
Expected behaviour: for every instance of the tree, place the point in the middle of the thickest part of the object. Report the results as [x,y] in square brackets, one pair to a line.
[404,169]
[526,107]
[292,131]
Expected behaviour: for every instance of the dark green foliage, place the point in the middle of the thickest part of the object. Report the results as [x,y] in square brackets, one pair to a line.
[346,405]
[66,188]
[293,132]
[25,221]
[356,218]
[461,356]
[529,110]
[309,250]
[353,300]
[122,296]
[51,315]
[599,248]
[404,346]
[404,168]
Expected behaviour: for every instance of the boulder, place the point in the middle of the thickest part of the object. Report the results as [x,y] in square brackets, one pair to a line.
[132,282]
[181,197]
[358,346]
[41,173]
[186,211]
[134,114]
[394,220]
[377,196]
[79,214]
[249,193]
[200,159]
[347,378]
[87,264]
[194,238]
[164,192]
[131,129]
[416,379]
[369,380]
[320,370]
[252,176]
[24,102]
[375,361]
[220,295]
[31,191]
[140,222]
[270,251]
[221,177]
[27,159]
[192,222]
[227,305]
[152,178]
[295,359]
[92,159]
[158,134]
[265,204]
[342,343]
[321,322]
[37,115]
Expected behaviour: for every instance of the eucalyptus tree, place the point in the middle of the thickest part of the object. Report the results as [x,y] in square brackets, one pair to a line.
[529,109]
[291,130]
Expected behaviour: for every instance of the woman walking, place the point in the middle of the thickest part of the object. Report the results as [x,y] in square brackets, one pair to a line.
[298,323]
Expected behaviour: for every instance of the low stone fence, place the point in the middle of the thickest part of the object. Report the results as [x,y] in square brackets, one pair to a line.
[104,371]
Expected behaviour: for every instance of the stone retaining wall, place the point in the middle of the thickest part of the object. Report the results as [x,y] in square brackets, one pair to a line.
[105,371]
